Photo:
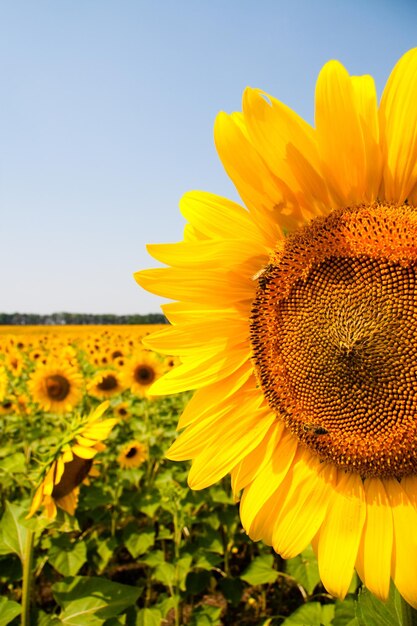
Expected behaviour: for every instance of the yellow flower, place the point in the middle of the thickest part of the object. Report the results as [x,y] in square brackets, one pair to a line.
[71,464]
[133,454]
[56,386]
[4,383]
[296,322]
[140,372]
[105,383]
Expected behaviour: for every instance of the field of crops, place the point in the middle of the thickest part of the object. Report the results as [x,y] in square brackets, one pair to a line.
[114,535]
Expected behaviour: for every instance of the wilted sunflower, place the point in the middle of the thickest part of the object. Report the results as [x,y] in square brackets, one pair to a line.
[133,454]
[296,321]
[56,386]
[105,383]
[140,372]
[71,464]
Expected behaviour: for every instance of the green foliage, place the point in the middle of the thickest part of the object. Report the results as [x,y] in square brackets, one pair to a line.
[8,611]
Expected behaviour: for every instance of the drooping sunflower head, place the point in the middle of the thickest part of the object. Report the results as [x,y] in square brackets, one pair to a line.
[133,454]
[295,320]
[71,462]
[56,387]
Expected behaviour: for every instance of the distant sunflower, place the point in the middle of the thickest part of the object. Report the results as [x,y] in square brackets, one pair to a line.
[4,382]
[122,410]
[133,454]
[56,386]
[296,321]
[104,384]
[140,372]
[71,464]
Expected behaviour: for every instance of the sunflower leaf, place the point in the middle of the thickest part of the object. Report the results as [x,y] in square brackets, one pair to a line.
[66,556]
[370,610]
[260,571]
[13,534]
[89,601]
[304,569]
[313,614]
[8,610]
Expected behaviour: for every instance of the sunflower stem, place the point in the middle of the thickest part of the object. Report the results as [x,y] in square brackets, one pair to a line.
[27,578]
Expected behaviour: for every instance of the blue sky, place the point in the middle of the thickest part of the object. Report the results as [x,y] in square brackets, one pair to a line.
[107,110]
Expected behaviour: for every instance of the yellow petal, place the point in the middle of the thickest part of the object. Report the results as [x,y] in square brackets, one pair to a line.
[342,143]
[254,462]
[404,557]
[207,400]
[266,482]
[218,423]
[212,336]
[195,373]
[340,534]
[179,284]
[288,146]
[375,551]
[398,124]
[238,439]
[304,501]
[217,217]
[84,453]
[260,191]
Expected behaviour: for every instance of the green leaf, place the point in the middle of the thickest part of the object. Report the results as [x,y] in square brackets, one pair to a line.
[148,617]
[304,569]
[13,464]
[88,601]
[165,573]
[67,556]
[313,614]
[138,542]
[8,610]
[13,534]
[196,582]
[206,615]
[344,614]
[232,589]
[105,552]
[206,560]
[372,612]
[154,558]
[149,503]
[260,571]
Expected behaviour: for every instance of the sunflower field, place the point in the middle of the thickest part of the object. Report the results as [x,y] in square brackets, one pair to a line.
[98,527]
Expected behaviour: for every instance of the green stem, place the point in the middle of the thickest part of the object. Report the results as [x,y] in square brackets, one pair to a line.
[27,578]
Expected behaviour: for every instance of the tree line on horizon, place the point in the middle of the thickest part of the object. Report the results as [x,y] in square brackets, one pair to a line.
[35,319]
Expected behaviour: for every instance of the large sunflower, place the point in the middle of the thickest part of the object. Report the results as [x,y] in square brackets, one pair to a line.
[56,386]
[71,463]
[296,321]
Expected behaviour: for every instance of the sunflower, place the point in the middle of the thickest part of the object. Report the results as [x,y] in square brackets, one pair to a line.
[56,386]
[140,372]
[296,322]
[122,410]
[71,463]
[133,454]
[105,383]
[4,383]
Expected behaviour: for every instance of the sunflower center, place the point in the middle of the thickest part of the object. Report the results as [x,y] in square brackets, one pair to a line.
[334,337]
[131,453]
[74,473]
[107,383]
[57,387]
[144,374]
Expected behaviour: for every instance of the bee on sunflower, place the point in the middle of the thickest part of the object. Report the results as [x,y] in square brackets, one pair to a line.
[71,463]
[295,319]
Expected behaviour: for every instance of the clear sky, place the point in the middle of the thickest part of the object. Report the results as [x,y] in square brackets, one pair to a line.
[107,111]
